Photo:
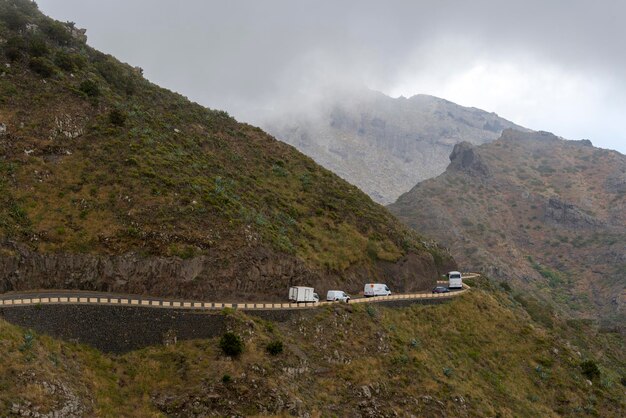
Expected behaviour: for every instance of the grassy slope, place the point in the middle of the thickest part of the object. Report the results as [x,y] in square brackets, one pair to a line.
[99,160]
[480,355]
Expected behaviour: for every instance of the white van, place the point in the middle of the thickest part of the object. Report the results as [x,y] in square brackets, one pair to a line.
[337,295]
[454,280]
[376,289]
[303,294]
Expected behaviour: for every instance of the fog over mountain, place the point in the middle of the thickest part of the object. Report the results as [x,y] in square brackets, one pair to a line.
[551,66]
[384,145]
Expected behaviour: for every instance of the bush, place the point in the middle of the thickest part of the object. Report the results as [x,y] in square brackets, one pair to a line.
[42,66]
[56,31]
[275,348]
[505,286]
[117,117]
[590,369]
[13,19]
[90,88]
[117,75]
[226,379]
[69,62]
[623,381]
[37,47]
[231,344]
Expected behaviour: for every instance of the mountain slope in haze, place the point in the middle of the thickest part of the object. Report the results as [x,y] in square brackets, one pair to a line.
[108,182]
[492,359]
[548,213]
[383,145]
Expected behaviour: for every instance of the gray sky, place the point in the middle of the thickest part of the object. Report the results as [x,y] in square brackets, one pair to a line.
[555,65]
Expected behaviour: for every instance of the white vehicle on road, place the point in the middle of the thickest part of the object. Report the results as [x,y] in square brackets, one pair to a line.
[303,294]
[337,295]
[455,280]
[376,289]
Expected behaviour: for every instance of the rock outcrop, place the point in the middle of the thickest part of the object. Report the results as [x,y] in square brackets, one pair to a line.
[465,158]
[558,212]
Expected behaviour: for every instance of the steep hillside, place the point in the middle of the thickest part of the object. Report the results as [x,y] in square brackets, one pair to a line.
[109,182]
[547,213]
[384,145]
[480,355]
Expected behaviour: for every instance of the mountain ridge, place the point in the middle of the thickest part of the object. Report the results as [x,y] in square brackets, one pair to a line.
[381,144]
[543,212]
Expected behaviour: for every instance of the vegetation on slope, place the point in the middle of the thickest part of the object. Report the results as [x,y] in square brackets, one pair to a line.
[479,355]
[97,160]
[536,209]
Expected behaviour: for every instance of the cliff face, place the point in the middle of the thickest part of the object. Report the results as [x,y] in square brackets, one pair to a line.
[546,213]
[384,145]
[109,182]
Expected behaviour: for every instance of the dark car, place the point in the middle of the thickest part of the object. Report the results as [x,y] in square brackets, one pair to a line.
[441,289]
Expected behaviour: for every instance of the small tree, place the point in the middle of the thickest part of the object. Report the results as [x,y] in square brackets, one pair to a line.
[231,344]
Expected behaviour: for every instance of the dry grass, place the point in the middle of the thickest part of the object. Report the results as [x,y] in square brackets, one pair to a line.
[482,347]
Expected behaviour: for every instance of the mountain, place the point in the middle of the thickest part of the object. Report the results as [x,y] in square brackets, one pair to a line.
[479,355]
[384,145]
[546,213]
[109,182]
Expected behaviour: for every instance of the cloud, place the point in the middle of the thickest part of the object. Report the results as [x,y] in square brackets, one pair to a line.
[552,65]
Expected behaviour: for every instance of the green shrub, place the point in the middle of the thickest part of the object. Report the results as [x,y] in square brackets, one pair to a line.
[117,75]
[226,379]
[505,286]
[29,339]
[231,344]
[274,348]
[37,47]
[117,117]
[69,62]
[13,18]
[90,88]
[14,47]
[590,369]
[56,31]
[42,66]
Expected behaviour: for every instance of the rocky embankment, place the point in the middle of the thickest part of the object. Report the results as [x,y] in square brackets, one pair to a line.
[259,275]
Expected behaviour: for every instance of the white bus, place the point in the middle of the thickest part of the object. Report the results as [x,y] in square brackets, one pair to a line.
[455,280]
